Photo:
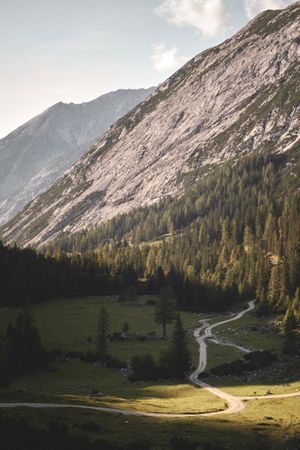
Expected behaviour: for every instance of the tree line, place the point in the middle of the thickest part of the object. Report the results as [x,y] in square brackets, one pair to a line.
[234,235]
[28,277]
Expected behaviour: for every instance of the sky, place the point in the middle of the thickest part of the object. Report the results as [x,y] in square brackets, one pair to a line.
[77,50]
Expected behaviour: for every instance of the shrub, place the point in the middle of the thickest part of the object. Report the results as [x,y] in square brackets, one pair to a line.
[251,361]
[143,368]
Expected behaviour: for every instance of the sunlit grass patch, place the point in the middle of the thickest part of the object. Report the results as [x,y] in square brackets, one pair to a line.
[241,388]
[105,387]
[167,399]
[283,415]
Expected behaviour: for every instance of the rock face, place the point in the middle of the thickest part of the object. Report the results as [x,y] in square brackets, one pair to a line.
[35,155]
[239,97]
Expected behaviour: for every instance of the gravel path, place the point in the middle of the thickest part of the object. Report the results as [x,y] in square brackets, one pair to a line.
[234,404]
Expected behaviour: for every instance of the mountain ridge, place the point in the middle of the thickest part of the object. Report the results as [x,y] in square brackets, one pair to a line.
[239,97]
[37,153]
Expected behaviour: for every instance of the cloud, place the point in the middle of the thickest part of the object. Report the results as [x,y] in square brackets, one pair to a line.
[207,16]
[254,7]
[166,59]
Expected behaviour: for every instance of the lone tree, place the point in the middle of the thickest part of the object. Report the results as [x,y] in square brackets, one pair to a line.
[165,308]
[176,362]
[103,325]
[125,327]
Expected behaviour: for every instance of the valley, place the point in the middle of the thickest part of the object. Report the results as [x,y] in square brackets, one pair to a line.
[150,238]
[71,383]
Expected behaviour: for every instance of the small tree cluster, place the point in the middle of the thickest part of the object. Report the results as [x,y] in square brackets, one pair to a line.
[21,349]
[174,363]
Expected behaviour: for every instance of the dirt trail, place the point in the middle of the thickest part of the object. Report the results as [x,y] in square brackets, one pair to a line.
[234,404]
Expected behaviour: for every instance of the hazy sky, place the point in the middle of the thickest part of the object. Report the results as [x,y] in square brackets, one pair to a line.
[76,50]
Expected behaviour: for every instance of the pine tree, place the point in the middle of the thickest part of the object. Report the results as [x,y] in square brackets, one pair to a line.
[273,287]
[103,326]
[289,321]
[125,327]
[165,308]
[177,360]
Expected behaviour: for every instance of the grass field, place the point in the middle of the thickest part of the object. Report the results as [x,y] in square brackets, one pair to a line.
[219,354]
[74,381]
[67,324]
[251,332]
[246,430]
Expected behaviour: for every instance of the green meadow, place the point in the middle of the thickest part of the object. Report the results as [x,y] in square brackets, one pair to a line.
[67,325]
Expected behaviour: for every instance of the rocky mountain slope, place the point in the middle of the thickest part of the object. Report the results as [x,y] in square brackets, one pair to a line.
[239,97]
[36,154]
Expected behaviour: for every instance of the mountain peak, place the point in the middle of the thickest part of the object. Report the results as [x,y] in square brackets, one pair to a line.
[239,97]
[37,153]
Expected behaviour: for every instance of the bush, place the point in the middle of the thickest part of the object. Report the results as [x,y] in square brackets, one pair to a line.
[108,361]
[114,363]
[151,302]
[251,361]
[259,359]
[143,368]
[291,345]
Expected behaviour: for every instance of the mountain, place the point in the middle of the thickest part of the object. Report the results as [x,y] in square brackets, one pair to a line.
[36,154]
[240,97]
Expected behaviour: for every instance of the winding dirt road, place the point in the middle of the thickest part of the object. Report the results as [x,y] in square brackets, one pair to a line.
[234,404]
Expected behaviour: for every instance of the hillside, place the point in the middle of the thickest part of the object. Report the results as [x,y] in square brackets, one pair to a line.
[36,154]
[231,100]
[234,235]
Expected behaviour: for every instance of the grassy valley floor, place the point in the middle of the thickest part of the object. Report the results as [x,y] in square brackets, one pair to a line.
[67,324]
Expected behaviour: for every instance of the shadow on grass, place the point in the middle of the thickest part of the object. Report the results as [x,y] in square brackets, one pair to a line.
[281,378]
[156,433]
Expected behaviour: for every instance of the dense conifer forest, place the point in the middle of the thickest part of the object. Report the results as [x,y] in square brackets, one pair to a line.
[234,235]
[28,277]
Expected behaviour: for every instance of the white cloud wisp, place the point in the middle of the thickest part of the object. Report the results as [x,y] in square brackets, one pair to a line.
[166,59]
[207,16]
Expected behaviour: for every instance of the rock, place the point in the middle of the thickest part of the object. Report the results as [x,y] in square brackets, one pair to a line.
[197,119]
[51,142]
